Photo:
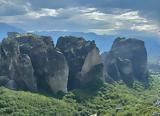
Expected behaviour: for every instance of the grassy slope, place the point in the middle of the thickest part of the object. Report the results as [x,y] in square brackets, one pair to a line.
[116,100]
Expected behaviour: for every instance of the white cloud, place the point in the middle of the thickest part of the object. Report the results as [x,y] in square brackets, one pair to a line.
[13,8]
[42,13]
[11,19]
[131,16]
[87,10]
[29,16]
[122,21]
[83,19]
[103,31]
[96,15]
[146,27]
[6,2]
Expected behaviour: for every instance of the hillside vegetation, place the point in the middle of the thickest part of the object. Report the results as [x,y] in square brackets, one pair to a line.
[105,100]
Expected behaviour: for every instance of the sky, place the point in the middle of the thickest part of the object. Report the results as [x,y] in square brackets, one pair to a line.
[98,16]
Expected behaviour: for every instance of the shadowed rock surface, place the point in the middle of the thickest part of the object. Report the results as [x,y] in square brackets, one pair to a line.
[127,61]
[30,62]
[83,59]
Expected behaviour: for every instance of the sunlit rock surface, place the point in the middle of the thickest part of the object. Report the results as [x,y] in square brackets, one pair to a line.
[83,58]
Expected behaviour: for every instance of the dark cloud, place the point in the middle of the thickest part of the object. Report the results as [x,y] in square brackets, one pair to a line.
[16,7]
[53,3]
[147,7]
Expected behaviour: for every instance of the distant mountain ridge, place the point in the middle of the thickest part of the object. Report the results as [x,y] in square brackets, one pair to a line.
[4,28]
[104,42]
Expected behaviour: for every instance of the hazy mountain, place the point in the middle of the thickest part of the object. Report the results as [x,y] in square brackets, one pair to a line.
[4,28]
[104,42]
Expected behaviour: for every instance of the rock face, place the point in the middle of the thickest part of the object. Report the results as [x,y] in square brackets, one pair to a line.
[31,62]
[127,61]
[83,58]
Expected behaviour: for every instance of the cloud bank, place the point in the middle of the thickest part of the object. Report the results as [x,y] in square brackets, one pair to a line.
[99,16]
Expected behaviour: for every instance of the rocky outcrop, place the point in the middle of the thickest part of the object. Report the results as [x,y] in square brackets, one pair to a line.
[83,59]
[11,84]
[12,66]
[127,61]
[50,65]
[31,62]
[56,80]
[25,72]
[103,56]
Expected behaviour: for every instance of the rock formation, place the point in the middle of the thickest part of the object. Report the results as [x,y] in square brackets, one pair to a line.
[31,62]
[83,58]
[127,61]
